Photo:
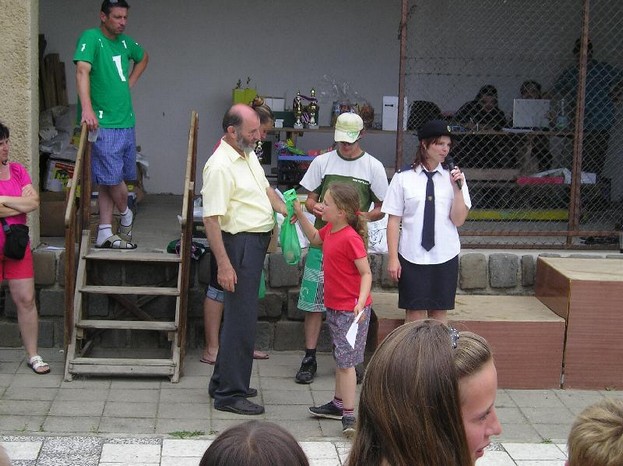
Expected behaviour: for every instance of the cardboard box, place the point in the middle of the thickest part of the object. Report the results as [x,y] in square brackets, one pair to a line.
[58,173]
[276,104]
[390,113]
[52,213]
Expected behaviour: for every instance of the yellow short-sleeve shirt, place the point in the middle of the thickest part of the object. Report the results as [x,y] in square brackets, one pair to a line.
[234,189]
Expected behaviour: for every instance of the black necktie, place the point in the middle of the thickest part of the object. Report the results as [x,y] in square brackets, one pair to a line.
[428,228]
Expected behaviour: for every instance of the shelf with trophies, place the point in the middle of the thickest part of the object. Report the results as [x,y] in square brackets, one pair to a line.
[292,162]
[304,118]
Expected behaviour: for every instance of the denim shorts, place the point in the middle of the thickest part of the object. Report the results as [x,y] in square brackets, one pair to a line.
[215,294]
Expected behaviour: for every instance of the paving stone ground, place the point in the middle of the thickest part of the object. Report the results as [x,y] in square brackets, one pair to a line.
[45,420]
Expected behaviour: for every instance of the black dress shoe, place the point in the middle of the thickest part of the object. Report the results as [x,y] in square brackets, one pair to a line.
[242,406]
[252,393]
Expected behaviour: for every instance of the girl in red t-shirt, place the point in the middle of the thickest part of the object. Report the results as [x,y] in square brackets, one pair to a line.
[347,283]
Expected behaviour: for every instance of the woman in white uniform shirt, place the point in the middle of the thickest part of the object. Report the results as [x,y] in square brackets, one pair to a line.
[426,276]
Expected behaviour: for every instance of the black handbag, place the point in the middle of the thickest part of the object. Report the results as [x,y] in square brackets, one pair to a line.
[16,240]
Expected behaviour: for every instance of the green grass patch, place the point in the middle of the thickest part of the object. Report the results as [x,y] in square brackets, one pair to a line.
[186,433]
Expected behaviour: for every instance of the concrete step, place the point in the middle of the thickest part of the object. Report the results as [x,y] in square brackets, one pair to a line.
[526,337]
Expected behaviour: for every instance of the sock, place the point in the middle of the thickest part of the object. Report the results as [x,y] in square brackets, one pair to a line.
[104,232]
[310,353]
[338,403]
[127,217]
[348,412]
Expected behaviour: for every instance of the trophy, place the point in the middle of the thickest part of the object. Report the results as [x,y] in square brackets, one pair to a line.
[312,110]
[298,111]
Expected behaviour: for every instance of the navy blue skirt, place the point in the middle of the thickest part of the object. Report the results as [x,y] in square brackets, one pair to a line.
[428,287]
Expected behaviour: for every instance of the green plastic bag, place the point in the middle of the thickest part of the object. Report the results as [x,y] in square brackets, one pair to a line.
[289,239]
[262,291]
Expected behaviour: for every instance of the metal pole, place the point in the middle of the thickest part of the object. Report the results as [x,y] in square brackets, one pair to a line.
[402,34]
[574,208]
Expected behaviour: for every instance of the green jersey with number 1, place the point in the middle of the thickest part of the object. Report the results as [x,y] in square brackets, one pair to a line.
[110,73]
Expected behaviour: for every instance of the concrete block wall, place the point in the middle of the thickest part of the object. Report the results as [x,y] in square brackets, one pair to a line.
[280,323]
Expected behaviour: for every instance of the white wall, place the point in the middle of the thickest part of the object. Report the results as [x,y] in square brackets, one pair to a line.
[199,49]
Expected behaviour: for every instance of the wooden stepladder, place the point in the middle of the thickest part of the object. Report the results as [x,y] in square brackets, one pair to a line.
[103,272]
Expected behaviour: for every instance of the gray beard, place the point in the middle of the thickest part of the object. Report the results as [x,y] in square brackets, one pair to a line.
[240,142]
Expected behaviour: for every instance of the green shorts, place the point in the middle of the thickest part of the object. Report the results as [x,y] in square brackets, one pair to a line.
[311,296]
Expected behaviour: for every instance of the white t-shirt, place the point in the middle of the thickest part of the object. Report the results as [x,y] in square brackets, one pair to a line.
[365,173]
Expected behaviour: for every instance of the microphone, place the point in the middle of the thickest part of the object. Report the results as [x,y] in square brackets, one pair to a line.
[450,164]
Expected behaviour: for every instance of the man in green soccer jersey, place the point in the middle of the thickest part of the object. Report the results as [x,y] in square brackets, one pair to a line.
[104,79]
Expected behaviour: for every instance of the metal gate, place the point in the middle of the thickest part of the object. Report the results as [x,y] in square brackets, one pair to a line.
[533,91]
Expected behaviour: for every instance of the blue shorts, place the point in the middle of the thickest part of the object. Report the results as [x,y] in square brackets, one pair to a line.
[215,294]
[214,291]
[113,156]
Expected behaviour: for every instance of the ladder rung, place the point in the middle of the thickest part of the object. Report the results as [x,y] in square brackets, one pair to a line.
[119,366]
[127,290]
[128,325]
[131,256]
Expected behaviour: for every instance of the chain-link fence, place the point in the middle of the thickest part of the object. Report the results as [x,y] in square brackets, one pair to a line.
[534,92]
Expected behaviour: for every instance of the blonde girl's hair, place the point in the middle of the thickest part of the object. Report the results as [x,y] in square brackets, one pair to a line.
[472,353]
[346,198]
[263,110]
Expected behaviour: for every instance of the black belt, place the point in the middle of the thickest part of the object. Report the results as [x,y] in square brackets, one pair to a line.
[263,233]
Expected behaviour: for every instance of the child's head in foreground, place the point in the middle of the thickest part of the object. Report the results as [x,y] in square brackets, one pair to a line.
[596,437]
[254,443]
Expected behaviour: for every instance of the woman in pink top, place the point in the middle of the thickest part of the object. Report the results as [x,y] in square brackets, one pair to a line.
[18,198]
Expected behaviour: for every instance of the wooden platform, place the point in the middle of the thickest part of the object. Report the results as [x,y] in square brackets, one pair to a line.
[527,338]
[588,294]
